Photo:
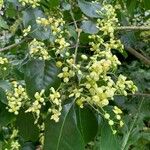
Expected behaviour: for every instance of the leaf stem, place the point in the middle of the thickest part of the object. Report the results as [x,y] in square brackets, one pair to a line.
[142,28]
[132,126]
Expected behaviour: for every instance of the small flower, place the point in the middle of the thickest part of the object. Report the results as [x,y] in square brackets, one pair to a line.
[117,110]
[66,74]
[107,116]
[121,123]
[111,122]
[26,31]
[84,57]
[15,145]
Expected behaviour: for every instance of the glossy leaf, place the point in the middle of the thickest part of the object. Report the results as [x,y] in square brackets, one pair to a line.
[40,75]
[131,5]
[63,135]
[87,124]
[3,23]
[5,116]
[27,129]
[107,138]
[89,27]
[147,4]
[5,85]
[90,9]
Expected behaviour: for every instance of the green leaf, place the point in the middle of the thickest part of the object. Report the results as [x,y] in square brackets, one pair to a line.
[63,135]
[107,139]
[3,23]
[5,85]
[5,116]
[40,75]
[50,3]
[89,27]
[87,124]
[90,9]
[3,97]
[38,32]
[72,32]
[147,4]
[131,5]
[28,146]
[53,3]
[66,6]
[27,129]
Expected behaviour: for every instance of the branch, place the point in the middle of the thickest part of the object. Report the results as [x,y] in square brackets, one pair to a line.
[140,94]
[143,28]
[12,46]
[143,59]
[135,94]
[78,38]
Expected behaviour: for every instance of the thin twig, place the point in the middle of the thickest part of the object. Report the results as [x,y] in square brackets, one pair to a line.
[142,58]
[139,94]
[12,46]
[77,45]
[78,37]
[135,94]
[126,28]
[74,21]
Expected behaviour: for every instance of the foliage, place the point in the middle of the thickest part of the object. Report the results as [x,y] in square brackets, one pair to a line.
[66,81]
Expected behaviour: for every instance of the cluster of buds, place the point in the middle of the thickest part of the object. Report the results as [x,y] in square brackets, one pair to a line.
[13,142]
[33,3]
[37,104]
[56,25]
[16,98]
[56,107]
[38,50]
[122,84]
[26,31]
[66,74]
[4,65]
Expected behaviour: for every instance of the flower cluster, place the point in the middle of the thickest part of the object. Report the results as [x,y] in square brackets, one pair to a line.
[122,83]
[13,142]
[16,98]
[88,76]
[38,50]
[26,31]
[56,25]
[33,3]
[56,107]
[66,74]
[4,64]
[109,22]
[41,135]
[96,83]
[3,61]
[118,112]
[37,104]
